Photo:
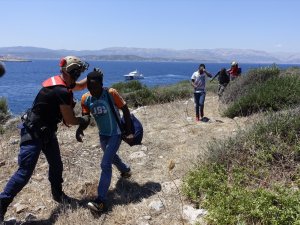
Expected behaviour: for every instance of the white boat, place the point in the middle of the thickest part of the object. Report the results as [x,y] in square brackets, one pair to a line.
[134,75]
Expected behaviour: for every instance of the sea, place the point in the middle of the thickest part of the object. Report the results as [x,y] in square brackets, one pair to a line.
[22,80]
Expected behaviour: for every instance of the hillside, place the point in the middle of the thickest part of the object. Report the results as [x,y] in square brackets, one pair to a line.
[151,196]
[218,55]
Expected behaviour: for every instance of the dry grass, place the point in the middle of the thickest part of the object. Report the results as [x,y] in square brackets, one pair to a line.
[170,133]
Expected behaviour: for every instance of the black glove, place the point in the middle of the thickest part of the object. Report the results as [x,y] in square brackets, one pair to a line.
[84,121]
[79,134]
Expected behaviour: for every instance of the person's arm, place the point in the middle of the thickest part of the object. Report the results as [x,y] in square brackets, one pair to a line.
[215,76]
[128,129]
[69,116]
[126,114]
[207,73]
[86,115]
[80,85]
[193,82]
[121,104]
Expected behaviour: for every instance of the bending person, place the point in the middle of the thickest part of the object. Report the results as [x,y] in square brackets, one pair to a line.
[53,104]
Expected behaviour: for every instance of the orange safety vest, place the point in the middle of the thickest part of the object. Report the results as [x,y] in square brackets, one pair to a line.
[54,81]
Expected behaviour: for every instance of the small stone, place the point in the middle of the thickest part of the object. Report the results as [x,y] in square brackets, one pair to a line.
[2,163]
[156,205]
[147,217]
[20,207]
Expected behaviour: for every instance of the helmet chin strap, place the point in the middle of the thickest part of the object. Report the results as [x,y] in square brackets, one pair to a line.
[63,76]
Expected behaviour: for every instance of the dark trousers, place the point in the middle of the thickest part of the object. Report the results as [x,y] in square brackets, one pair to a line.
[221,89]
[199,99]
[27,160]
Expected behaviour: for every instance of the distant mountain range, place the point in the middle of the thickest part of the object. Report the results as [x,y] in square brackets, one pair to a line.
[221,55]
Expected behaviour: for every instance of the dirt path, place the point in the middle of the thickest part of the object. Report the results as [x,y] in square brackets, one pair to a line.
[151,196]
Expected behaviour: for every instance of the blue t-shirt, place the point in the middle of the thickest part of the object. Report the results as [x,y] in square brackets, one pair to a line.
[102,112]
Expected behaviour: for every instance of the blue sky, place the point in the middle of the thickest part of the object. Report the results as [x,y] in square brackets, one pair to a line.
[268,25]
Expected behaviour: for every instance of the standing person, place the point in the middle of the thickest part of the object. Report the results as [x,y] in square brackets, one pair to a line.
[96,102]
[224,80]
[53,104]
[198,81]
[234,71]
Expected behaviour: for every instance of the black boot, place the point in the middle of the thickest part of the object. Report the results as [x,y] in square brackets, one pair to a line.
[59,196]
[63,198]
[3,208]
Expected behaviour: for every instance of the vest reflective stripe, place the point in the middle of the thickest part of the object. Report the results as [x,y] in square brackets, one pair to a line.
[54,81]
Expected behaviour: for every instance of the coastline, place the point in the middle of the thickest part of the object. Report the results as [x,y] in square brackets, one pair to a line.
[15,60]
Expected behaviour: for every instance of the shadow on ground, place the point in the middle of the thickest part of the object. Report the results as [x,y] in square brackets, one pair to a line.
[125,192]
[128,191]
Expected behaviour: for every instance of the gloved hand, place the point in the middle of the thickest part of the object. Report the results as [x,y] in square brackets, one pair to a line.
[79,134]
[84,121]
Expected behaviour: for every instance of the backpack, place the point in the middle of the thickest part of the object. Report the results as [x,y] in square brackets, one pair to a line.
[136,125]
[137,130]
[223,76]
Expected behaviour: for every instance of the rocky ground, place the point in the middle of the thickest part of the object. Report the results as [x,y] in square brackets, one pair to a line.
[151,196]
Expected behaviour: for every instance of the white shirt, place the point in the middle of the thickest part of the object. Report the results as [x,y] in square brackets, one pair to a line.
[199,81]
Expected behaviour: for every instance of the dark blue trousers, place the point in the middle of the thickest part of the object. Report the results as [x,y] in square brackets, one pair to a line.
[27,160]
[199,99]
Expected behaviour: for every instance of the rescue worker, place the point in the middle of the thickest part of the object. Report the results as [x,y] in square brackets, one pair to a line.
[234,71]
[53,104]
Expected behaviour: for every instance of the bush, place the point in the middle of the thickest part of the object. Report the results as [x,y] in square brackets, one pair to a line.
[241,86]
[3,110]
[127,87]
[4,113]
[137,94]
[274,94]
[253,178]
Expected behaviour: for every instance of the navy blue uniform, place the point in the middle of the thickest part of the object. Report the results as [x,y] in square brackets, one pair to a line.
[46,110]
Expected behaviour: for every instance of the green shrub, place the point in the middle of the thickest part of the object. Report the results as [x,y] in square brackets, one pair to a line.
[139,98]
[253,178]
[3,109]
[137,94]
[274,94]
[127,87]
[4,113]
[241,86]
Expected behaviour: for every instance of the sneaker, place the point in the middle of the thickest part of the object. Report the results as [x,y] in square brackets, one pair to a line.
[197,119]
[97,207]
[126,175]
